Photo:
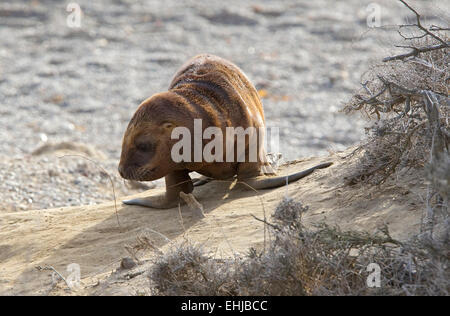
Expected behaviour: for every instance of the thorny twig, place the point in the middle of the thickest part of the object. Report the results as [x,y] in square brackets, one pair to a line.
[415,51]
[420,26]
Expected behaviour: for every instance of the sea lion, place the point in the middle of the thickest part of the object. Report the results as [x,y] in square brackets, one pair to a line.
[216,91]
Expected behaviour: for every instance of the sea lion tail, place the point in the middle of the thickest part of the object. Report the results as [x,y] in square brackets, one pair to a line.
[274,182]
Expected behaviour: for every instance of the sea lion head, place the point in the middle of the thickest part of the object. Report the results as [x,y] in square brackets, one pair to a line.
[147,143]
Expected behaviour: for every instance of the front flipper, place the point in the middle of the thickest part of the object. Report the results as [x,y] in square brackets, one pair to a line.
[159,201]
[176,182]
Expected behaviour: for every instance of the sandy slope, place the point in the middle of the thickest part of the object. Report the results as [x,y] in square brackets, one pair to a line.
[91,237]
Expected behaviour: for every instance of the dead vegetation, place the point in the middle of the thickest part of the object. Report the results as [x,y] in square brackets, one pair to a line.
[408,95]
[410,100]
[300,261]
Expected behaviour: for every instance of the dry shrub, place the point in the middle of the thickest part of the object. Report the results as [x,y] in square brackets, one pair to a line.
[289,211]
[187,270]
[300,261]
[409,95]
[402,95]
[327,261]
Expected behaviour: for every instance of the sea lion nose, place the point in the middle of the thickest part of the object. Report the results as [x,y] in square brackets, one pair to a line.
[125,170]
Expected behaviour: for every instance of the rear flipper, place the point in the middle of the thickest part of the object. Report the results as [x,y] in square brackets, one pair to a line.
[275,182]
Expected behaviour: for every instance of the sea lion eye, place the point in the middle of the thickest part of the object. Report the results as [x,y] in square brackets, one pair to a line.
[144,147]
[168,125]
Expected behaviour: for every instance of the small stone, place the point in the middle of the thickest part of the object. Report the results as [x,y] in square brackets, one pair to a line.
[127,263]
[43,137]
[53,173]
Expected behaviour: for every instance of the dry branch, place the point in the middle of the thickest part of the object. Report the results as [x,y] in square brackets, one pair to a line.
[416,51]
[421,27]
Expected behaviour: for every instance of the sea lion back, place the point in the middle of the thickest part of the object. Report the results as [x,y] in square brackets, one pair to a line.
[220,91]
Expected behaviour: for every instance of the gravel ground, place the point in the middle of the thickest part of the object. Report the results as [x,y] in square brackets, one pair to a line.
[81,85]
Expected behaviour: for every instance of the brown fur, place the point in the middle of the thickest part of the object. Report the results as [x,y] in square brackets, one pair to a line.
[206,87]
